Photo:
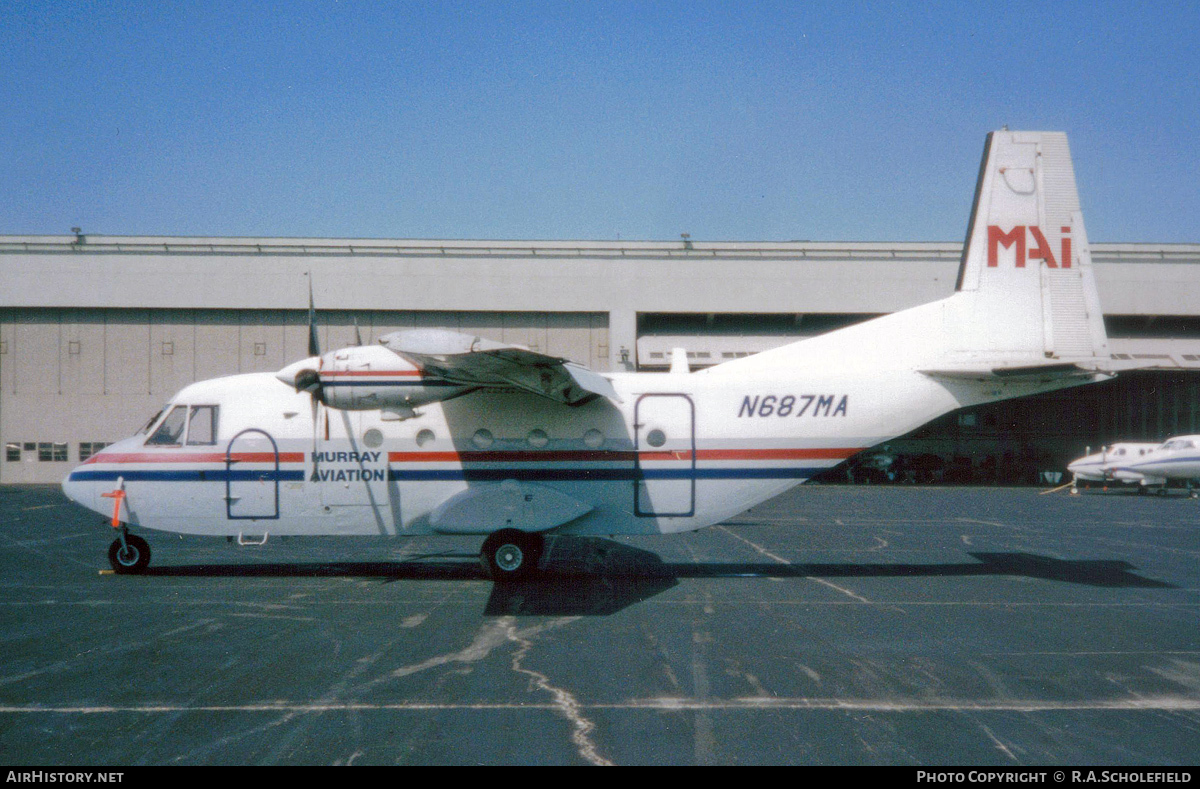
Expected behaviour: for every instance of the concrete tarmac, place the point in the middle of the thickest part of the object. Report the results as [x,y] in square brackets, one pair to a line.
[835,625]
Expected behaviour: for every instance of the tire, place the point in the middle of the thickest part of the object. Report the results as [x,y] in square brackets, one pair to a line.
[511,554]
[130,559]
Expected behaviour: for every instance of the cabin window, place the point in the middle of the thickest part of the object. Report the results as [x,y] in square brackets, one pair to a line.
[593,438]
[538,438]
[12,452]
[482,438]
[656,438]
[202,426]
[170,432]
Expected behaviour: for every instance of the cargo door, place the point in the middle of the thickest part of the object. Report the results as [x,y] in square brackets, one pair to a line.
[665,444]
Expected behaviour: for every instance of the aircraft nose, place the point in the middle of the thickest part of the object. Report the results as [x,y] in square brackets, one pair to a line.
[73,489]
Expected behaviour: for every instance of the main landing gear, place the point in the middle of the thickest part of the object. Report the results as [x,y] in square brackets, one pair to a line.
[511,554]
[129,554]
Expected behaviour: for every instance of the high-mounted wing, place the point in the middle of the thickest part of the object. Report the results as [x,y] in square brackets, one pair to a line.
[473,361]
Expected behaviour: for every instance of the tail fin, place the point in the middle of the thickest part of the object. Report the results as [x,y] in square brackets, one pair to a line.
[1026,300]
[1025,285]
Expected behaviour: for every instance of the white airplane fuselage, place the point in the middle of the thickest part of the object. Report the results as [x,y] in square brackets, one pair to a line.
[1178,458]
[682,451]
[1112,462]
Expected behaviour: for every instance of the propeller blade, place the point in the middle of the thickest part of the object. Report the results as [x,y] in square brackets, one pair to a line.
[316,411]
[314,346]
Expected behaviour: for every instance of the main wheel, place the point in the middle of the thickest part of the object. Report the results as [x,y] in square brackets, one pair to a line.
[511,554]
[130,558]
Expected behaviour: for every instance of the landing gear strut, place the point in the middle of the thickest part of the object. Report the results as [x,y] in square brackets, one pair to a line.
[129,554]
[511,554]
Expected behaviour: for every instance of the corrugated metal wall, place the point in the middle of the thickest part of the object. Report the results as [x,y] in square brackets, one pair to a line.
[72,379]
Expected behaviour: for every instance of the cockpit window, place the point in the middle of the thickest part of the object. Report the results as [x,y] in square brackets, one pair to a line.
[170,432]
[146,427]
[202,426]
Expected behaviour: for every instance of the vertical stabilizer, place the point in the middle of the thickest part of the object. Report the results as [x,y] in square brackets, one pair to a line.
[1025,285]
[1025,299]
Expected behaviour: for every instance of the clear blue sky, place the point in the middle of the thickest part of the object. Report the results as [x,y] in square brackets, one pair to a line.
[585,120]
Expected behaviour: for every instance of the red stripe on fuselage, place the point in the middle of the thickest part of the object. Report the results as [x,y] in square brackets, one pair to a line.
[194,457]
[628,456]
[380,373]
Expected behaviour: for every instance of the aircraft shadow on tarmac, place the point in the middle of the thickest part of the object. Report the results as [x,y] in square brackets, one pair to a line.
[583,576]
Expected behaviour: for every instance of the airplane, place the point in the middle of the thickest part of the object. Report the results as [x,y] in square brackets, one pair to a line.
[434,432]
[1177,459]
[1110,464]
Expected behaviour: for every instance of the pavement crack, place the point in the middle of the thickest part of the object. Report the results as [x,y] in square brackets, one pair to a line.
[564,701]
[1000,746]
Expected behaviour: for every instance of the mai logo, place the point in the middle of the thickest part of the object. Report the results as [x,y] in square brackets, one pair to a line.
[1030,242]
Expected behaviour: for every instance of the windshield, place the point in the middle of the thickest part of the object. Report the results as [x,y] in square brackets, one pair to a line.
[146,427]
[170,432]
[198,423]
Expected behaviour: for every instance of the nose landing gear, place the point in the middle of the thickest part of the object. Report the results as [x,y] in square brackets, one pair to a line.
[129,554]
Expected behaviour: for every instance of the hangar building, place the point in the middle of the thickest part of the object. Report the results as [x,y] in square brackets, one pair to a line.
[97,332]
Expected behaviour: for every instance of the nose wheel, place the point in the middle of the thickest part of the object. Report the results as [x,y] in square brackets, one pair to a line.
[511,554]
[129,554]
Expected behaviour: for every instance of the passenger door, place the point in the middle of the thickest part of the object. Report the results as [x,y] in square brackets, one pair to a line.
[252,476]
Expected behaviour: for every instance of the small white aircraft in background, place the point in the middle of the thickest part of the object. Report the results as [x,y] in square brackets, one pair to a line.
[434,432]
[1175,460]
[1110,463]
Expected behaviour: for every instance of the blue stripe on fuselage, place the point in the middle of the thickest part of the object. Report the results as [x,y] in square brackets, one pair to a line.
[455,474]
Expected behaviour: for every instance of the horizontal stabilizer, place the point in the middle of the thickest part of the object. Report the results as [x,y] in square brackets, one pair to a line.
[1029,372]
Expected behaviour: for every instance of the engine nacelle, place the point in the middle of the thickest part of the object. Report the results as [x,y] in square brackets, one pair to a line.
[366,378]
